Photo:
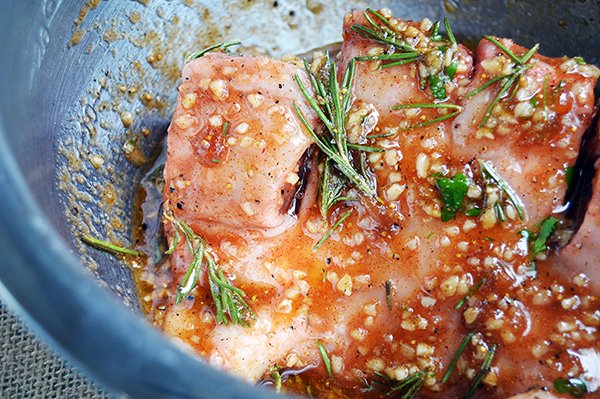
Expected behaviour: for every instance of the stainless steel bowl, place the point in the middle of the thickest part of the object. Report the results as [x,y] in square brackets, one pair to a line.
[69,74]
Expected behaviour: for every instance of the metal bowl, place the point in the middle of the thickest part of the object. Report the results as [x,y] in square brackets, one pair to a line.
[81,83]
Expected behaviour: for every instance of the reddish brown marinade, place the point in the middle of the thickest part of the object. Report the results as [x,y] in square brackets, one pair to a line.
[399,284]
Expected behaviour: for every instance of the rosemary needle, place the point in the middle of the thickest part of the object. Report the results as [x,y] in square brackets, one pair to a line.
[484,369]
[430,105]
[325,358]
[449,31]
[335,226]
[470,294]
[220,46]
[388,294]
[461,348]
[109,247]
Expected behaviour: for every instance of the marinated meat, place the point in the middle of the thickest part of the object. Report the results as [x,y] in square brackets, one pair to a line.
[533,134]
[381,290]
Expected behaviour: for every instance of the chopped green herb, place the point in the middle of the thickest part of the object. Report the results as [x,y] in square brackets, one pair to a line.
[473,211]
[548,227]
[216,160]
[573,386]
[484,369]
[471,292]
[451,69]
[489,239]
[429,235]
[579,60]
[460,350]
[331,230]
[325,358]
[534,101]
[437,85]
[453,191]
[104,246]
[227,298]
[388,294]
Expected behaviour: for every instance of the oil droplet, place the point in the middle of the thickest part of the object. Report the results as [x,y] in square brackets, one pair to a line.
[450,6]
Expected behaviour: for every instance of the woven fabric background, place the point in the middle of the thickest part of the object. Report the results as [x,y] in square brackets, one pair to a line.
[29,369]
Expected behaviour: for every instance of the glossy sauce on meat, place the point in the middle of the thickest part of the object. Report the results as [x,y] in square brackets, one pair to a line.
[381,295]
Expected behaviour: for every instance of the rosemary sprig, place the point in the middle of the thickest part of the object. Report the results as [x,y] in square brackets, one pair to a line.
[484,369]
[506,81]
[335,226]
[382,34]
[400,52]
[104,246]
[325,358]
[408,387]
[459,351]
[228,299]
[487,170]
[224,47]
[332,103]
[430,105]
[471,292]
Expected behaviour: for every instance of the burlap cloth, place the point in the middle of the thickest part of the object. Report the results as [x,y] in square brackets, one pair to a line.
[29,369]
